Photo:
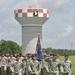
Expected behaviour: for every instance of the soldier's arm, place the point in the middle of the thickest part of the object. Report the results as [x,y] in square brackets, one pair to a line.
[61,68]
[39,66]
[47,59]
[29,67]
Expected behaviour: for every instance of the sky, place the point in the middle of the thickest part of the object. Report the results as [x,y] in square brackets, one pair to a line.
[58,31]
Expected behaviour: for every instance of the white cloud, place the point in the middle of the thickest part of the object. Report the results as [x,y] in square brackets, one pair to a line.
[67,32]
[60,3]
[69,29]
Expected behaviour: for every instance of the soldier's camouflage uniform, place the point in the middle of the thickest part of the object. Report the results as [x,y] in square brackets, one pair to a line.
[66,67]
[54,66]
[3,65]
[18,66]
[35,67]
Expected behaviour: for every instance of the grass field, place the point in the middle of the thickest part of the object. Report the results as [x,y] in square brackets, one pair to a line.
[72,58]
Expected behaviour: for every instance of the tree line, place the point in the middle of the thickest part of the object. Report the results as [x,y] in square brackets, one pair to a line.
[9,47]
[61,52]
[12,47]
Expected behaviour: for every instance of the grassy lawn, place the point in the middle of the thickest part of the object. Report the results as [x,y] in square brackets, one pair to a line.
[72,58]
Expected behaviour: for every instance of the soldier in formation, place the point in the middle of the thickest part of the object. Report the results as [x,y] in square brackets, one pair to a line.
[44,66]
[34,66]
[3,64]
[54,65]
[66,66]
[29,65]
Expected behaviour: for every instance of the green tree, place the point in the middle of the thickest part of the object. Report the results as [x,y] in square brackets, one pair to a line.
[58,51]
[9,47]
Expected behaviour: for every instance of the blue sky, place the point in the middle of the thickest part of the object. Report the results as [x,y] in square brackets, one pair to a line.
[58,31]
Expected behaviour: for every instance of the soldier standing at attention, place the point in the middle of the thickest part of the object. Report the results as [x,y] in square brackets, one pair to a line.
[28,60]
[24,60]
[66,67]
[11,60]
[18,65]
[7,70]
[3,64]
[34,67]
[44,66]
[54,65]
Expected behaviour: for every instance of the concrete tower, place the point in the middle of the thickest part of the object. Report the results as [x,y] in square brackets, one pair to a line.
[31,20]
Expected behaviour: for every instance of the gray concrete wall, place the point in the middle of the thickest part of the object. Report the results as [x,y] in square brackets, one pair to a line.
[29,38]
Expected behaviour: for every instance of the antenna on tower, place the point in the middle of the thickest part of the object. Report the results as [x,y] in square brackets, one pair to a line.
[72,47]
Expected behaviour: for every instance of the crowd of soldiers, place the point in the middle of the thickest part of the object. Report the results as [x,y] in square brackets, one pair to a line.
[29,64]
